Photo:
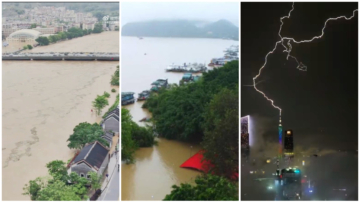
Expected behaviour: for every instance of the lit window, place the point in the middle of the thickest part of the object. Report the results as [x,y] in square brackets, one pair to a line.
[288,132]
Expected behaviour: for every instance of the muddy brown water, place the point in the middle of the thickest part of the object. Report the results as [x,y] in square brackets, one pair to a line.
[143,61]
[42,102]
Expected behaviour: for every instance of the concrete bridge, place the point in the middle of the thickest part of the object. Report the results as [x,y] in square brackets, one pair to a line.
[67,56]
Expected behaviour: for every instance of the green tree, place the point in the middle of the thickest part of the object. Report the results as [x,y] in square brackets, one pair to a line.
[128,145]
[95,180]
[178,112]
[42,40]
[29,47]
[33,188]
[25,47]
[33,26]
[115,78]
[116,104]
[133,136]
[54,38]
[99,103]
[58,191]
[57,169]
[106,94]
[207,188]
[142,136]
[221,139]
[79,185]
[99,15]
[62,35]
[86,133]
[98,28]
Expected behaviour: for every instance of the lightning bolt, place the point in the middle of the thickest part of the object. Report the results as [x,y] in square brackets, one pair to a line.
[288,49]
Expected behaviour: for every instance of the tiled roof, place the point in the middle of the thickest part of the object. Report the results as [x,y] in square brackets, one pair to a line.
[94,154]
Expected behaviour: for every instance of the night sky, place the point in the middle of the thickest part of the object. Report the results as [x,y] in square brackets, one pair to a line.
[320,105]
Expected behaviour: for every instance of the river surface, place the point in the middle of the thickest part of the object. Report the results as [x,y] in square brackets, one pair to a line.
[143,61]
[42,102]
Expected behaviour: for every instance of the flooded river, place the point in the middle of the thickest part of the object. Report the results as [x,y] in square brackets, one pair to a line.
[143,61]
[42,102]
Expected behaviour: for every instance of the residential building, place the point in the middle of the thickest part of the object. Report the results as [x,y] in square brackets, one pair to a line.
[48,30]
[111,121]
[93,157]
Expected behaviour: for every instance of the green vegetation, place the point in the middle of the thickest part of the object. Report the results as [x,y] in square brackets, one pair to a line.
[113,90]
[175,28]
[93,7]
[33,26]
[221,128]
[73,32]
[106,94]
[29,47]
[95,181]
[97,28]
[207,188]
[86,133]
[25,47]
[43,41]
[57,188]
[99,103]
[116,104]
[205,111]
[133,136]
[115,78]
[179,112]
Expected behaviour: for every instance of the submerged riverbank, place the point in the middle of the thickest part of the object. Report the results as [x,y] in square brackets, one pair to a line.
[40,111]
[157,168]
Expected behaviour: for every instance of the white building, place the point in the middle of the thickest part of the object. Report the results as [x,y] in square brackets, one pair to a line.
[24,35]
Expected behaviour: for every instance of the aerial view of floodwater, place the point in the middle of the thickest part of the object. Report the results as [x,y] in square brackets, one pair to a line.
[144,61]
[43,101]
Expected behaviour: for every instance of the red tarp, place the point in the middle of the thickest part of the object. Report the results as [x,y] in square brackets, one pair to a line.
[195,162]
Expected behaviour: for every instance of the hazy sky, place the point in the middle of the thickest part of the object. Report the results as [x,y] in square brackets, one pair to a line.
[208,11]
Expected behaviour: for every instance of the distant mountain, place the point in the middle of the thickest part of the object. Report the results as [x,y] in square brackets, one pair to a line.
[182,29]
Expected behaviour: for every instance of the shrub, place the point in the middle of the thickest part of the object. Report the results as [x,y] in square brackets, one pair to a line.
[106,94]
[113,90]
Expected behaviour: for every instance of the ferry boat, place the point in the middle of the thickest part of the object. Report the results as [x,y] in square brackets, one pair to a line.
[191,67]
[143,95]
[127,98]
[160,83]
[231,54]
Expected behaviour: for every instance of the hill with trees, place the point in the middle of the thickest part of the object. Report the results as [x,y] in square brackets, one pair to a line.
[182,29]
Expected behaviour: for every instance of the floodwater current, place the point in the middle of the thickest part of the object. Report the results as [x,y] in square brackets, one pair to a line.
[143,61]
[43,101]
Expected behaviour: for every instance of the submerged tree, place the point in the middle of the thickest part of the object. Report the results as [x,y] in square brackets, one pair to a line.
[57,169]
[99,103]
[33,188]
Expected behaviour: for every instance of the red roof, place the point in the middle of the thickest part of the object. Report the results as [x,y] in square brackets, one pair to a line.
[197,162]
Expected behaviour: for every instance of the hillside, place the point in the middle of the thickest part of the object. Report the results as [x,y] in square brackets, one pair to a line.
[182,29]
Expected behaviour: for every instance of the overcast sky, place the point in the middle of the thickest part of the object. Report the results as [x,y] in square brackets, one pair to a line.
[208,11]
